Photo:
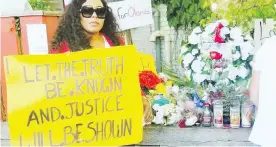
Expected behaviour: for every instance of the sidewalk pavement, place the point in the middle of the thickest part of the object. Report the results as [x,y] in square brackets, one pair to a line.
[174,136]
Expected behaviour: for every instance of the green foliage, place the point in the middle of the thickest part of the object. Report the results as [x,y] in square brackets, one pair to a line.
[39,5]
[166,69]
[186,13]
[191,13]
[243,12]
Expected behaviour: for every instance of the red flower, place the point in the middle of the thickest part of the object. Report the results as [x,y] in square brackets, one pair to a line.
[182,124]
[215,55]
[148,79]
[218,38]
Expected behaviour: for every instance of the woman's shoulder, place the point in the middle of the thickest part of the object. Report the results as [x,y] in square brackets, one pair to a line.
[63,48]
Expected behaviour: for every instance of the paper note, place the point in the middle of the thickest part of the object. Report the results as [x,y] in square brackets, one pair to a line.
[37,39]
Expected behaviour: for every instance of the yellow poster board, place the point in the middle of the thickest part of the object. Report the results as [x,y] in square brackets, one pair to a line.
[88,98]
[147,63]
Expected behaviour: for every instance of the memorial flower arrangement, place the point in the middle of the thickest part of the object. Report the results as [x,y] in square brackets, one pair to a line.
[217,54]
[215,57]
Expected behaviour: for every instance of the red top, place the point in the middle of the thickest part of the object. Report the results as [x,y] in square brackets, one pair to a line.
[64,47]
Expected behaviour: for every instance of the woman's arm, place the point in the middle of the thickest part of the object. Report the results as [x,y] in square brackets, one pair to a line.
[254,87]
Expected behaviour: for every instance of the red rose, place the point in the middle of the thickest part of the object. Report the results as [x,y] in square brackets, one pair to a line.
[218,38]
[182,123]
[148,79]
[215,55]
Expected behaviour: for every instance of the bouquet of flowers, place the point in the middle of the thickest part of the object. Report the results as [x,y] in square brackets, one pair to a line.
[159,96]
[217,54]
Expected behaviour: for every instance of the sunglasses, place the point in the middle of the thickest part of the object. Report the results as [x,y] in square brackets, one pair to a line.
[87,12]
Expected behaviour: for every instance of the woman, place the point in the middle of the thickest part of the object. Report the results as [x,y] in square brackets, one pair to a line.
[262,93]
[86,24]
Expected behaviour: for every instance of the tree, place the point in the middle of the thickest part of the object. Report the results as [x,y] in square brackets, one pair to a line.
[243,12]
[186,14]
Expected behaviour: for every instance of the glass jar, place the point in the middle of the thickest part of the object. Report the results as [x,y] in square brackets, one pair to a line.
[218,114]
[207,116]
[246,113]
[235,118]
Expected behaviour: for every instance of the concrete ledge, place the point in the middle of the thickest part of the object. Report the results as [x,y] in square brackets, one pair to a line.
[174,136]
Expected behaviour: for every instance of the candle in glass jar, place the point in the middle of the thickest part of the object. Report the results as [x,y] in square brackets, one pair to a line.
[235,115]
[246,114]
[218,114]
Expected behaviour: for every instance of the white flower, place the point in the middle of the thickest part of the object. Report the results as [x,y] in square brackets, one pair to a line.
[156,107]
[251,63]
[194,51]
[197,30]
[168,109]
[225,49]
[205,53]
[159,117]
[246,49]
[238,41]
[224,22]
[210,28]
[236,56]
[194,39]
[235,33]
[206,37]
[199,78]
[164,77]
[233,72]
[172,119]
[243,72]
[191,121]
[224,31]
[245,56]
[199,58]
[197,66]
[188,58]
[175,89]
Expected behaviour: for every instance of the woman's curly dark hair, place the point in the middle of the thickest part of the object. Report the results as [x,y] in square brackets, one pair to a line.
[71,31]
